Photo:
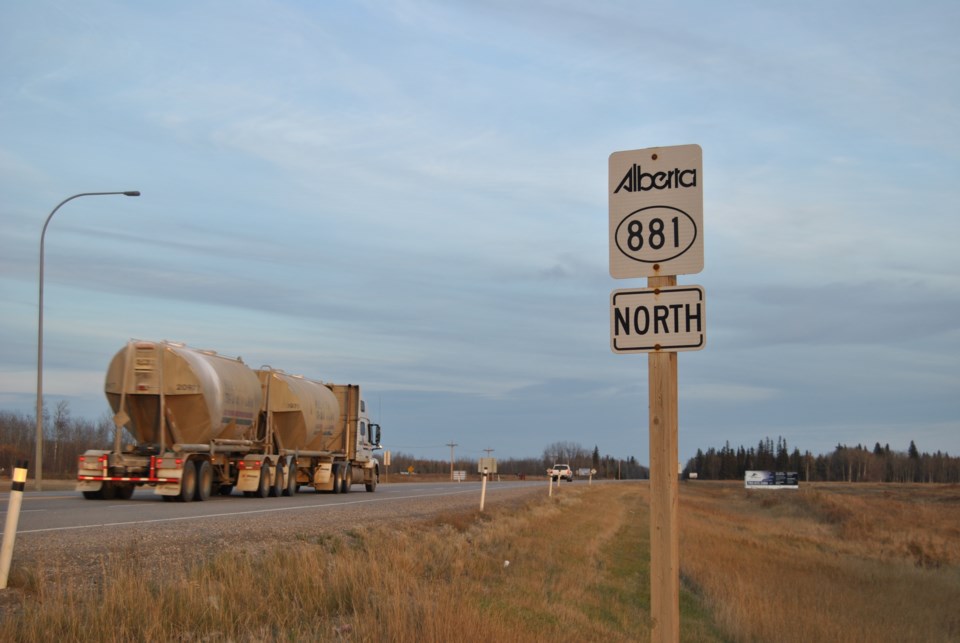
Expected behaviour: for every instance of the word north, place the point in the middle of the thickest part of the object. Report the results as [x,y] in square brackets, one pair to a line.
[660,319]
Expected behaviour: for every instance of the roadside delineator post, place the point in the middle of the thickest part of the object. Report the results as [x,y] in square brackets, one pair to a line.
[483,489]
[13,518]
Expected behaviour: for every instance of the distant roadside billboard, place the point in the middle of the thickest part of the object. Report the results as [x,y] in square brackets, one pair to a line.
[771,480]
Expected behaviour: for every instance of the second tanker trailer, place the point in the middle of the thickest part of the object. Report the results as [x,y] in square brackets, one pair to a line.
[203,423]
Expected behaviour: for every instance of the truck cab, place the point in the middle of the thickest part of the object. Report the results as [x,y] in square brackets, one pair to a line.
[368,435]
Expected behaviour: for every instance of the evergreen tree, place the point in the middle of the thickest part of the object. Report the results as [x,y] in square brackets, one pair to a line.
[912,452]
[783,459]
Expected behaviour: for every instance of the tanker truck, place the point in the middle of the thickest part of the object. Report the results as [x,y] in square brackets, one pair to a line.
[202,423]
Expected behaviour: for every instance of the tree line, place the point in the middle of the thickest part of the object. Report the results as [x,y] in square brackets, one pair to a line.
[844,464]
[65,438]
[572,453]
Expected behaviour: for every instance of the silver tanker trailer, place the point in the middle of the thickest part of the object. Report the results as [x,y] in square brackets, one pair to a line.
[203,423]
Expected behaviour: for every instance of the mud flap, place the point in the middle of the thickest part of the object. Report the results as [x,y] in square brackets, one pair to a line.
[323,477]
[89,485]
[169,488]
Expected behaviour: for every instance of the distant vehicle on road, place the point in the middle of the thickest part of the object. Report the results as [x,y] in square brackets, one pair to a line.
[560,471]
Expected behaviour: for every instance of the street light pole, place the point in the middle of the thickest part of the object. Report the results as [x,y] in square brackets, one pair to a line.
[38,471]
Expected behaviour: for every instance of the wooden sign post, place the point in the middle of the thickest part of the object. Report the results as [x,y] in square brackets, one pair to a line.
[664,491]
[656,231]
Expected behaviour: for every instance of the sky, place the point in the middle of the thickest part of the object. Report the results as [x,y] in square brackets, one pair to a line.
[411,195]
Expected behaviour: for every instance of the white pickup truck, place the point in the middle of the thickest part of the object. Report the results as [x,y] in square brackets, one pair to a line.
[560,471]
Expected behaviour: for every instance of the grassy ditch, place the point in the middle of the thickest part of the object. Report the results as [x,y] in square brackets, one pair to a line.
[831,562]
[555,569]
[843,562]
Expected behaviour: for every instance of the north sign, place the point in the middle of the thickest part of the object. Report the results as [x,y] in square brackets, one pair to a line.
[656,211]
[652,320]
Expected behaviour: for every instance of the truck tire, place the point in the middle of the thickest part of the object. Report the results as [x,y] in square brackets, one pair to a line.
[226,489]
[337,474]
[188,482]
[93,495]
[292,486]
[372,485]
[276,489]
[204,480]
[263,490]
[345,482]
[124,491]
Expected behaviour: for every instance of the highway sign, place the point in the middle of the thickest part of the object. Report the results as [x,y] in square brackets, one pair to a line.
[656,212]
[652,320]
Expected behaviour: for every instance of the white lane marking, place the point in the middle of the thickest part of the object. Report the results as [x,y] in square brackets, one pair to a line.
[251,511]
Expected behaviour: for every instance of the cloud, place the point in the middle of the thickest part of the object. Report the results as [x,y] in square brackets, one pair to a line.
[733,393]
[411,195]
[891,313]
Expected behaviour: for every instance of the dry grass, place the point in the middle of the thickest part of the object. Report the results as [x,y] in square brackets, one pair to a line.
[578,567]
[827,563]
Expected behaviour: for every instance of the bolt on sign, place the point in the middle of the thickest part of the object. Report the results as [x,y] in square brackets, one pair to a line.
[650,320]
[656,212]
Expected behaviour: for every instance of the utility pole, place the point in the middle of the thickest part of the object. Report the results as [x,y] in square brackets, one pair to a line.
[489,451]
[451,445]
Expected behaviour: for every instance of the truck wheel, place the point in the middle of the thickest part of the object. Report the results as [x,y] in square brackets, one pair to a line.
[188,483]
[263,490]
[276,489]
[108,491]
[92,495]
[372,485]
[292,485]
[345,488]
[337,478]
[124,491]
[226,489]
[204,480]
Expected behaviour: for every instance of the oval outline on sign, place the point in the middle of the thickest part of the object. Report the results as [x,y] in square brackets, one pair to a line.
[630,254]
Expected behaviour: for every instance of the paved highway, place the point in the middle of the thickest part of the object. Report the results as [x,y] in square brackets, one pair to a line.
[63,511]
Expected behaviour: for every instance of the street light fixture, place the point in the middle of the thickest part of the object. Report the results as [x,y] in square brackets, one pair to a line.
[38,472]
